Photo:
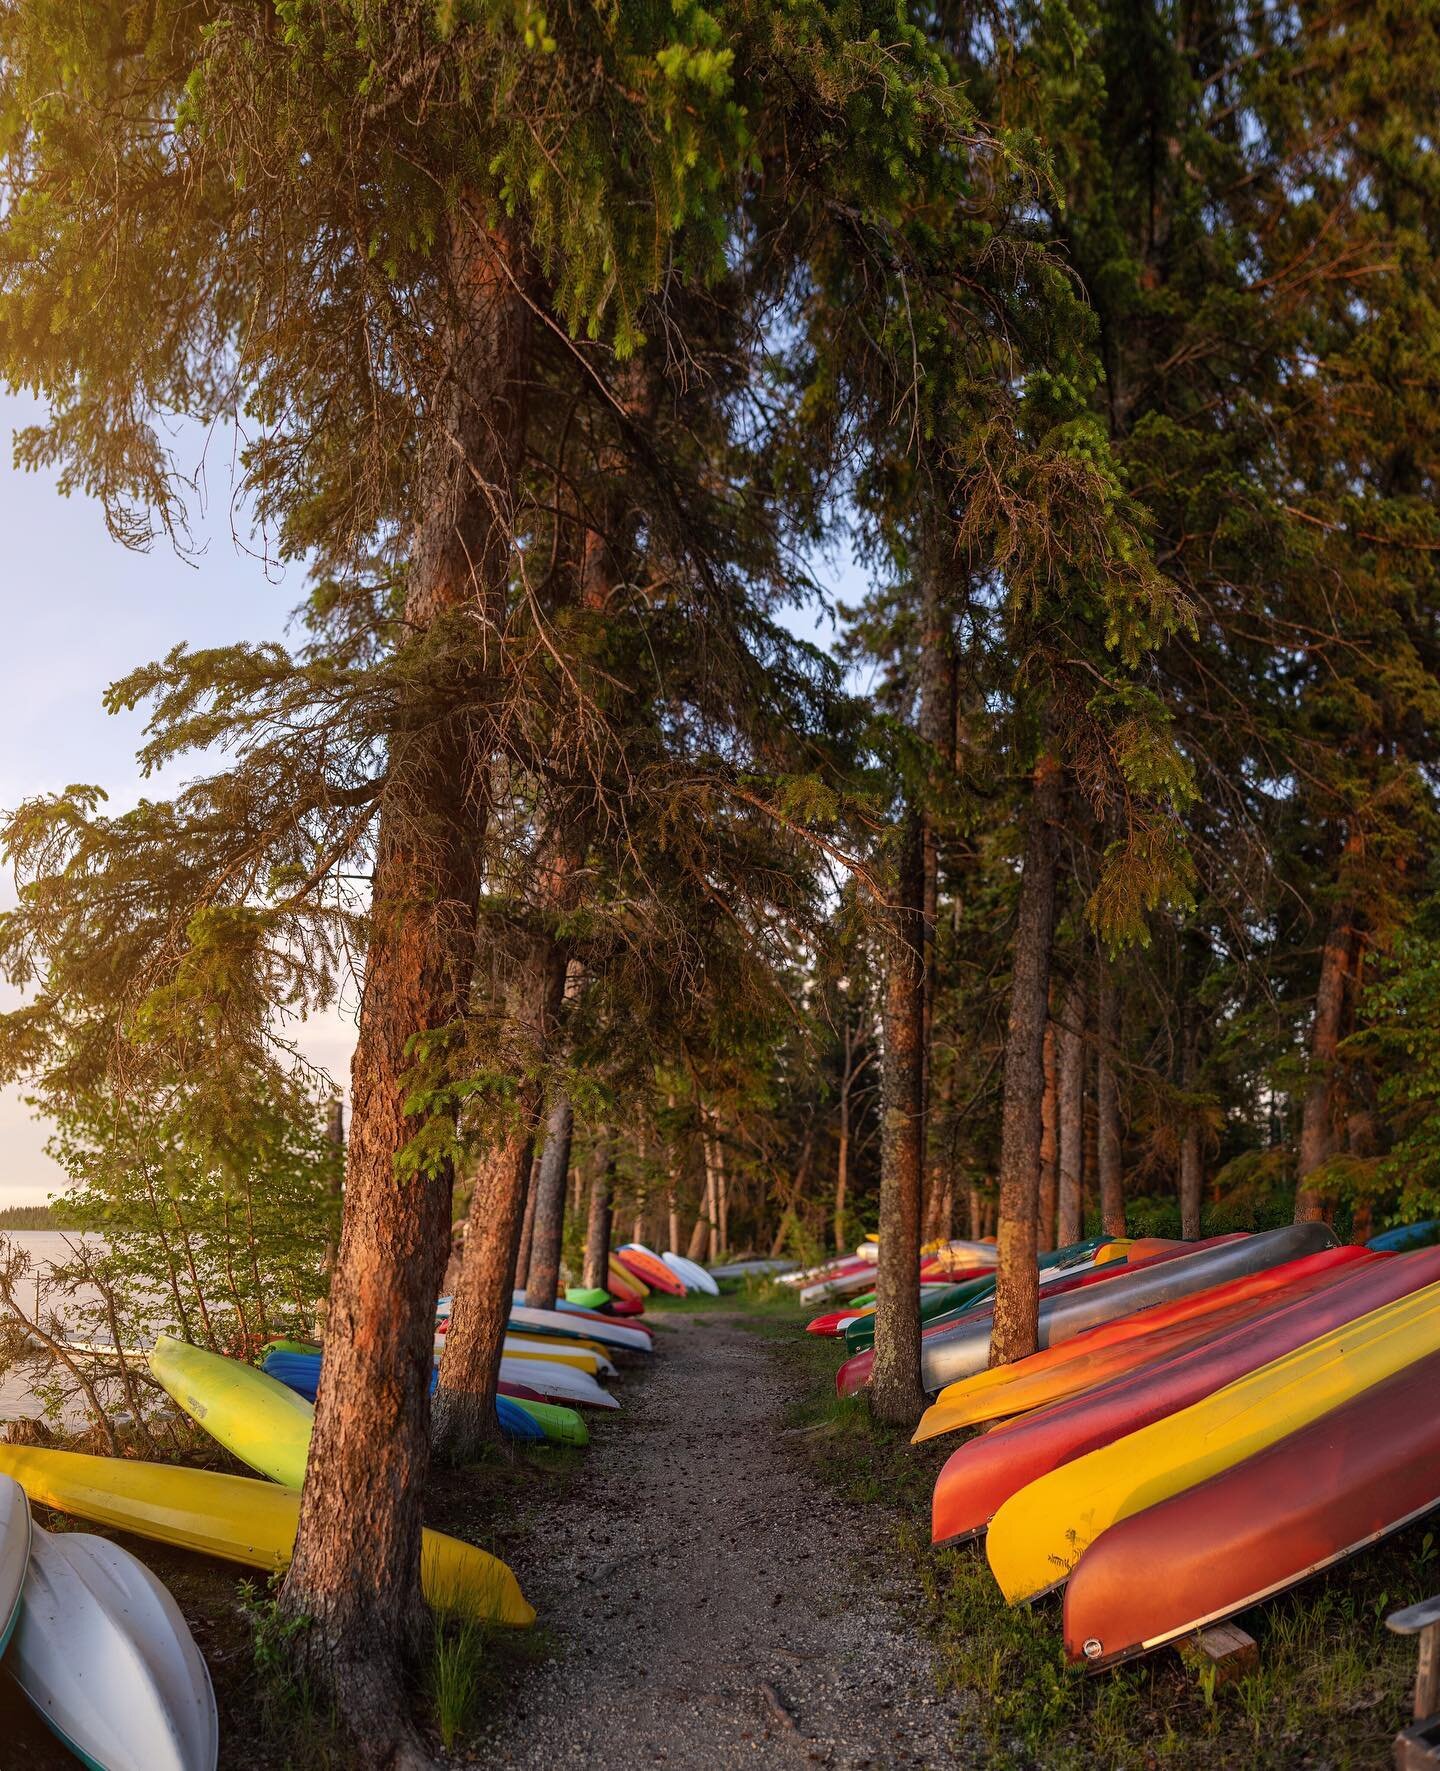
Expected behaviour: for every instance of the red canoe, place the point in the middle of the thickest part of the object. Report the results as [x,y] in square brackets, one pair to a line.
[854,1374]
[986,1471]
[1310,1499]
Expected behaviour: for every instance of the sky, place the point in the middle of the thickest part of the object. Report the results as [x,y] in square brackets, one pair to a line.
[77,611]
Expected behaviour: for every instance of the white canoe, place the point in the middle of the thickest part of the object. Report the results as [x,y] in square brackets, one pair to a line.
[103,1653]
[557,1383]
[740,1269]
[590,1328]
[690,1273]
[527,1346]
[15,1535]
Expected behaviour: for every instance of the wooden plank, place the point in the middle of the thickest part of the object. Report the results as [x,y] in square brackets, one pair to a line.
[1226,1648]
[1414,1618]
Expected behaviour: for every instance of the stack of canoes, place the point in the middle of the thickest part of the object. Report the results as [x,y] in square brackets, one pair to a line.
[1203,1425]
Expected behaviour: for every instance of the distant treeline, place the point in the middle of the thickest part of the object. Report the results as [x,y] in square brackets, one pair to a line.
[28,1217]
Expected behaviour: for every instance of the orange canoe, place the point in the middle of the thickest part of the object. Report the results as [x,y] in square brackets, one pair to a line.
[1112,1348]
[626,1283]
[654,1272]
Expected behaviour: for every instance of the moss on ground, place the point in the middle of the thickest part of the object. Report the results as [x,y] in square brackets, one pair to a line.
[1331,1689]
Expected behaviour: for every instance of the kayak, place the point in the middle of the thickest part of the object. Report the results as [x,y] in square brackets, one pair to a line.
[650,1268]
[623,1281]
[238,1519]
[522,1412]
[1112,1348]
[103,1652]
[1301,1505]
[745,1269]
[690,1273]
[964,1350]
[983,1474]
[1039,1534]
[252,1414]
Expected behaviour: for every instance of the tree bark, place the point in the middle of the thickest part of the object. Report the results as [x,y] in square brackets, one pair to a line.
[355,1575]
[977,1214]
[1317,1121]
[673,1214]
[543,1280]
[896,1395]
[1049,1148]
[1017,1294]
[1191,1166]
[1070,1106]
[527,1226]
[1107,1107]
[597,1230]
[465,1417]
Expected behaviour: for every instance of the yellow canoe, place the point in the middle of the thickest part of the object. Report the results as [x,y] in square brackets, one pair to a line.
[240,1519]
[254,1416]
[578,1361]
[1039,1534]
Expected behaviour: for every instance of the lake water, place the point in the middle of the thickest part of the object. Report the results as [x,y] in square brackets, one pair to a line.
[44,1247]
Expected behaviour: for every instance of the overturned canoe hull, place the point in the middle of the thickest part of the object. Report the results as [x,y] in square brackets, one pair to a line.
[1346,1480]
[983,1474]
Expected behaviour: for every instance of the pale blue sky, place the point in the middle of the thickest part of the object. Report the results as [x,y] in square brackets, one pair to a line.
[77,611]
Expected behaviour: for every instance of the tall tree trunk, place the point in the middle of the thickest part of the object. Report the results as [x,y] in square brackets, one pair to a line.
[673,1213]
[465,1417]
[1107,1106]
[699,1237]
[1317,1121]
[977,1214]
[597,1229]
[895,1392]
[722,1195]
[355,1575]
[1191,1167]
[1070,1107]
[1049,1148]
[527,1225]
[936,723]
[1017,1294]
[543,1277]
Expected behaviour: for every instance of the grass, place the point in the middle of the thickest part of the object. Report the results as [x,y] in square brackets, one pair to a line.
[1332,1685]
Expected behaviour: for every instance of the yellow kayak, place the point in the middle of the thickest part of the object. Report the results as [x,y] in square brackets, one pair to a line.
[239,1519]
[255,1417]
[1039,1534]
[579,1361]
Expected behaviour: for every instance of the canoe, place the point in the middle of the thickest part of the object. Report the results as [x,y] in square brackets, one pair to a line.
[1039,1534]
[965,1350]
[1112,1348]
[744,1269]
[1406,1237]
[982,1475]
[15,1538]
[1063,1271]
[239,1519]
[569,1306]
[848,1280]
[650,1268]
[593,1327]
[1301,1505]
[691,1274]
[103,1653]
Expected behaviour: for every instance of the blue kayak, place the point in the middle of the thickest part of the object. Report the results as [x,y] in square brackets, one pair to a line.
[301,1373]
[1404,1237]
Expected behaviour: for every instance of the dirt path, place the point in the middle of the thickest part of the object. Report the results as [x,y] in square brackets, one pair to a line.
[713,1605]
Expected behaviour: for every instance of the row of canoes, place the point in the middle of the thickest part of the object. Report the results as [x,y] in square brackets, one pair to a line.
[99,1644]
[1202,1426]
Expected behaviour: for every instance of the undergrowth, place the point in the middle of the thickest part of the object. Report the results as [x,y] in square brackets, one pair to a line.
[1331,1688]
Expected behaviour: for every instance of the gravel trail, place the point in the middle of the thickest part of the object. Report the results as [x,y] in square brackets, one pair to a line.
[713,1604]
